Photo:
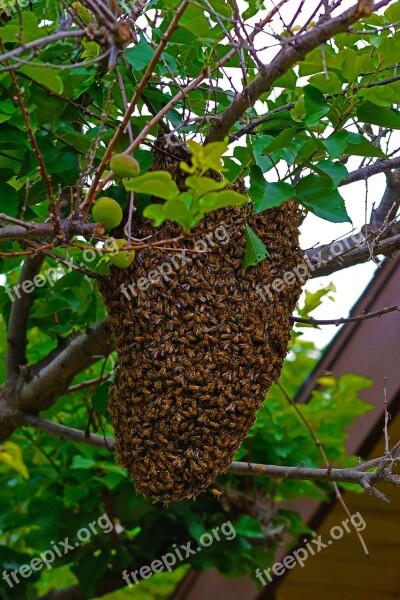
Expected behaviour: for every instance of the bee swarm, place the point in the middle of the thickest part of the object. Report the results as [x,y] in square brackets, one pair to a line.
[198,353]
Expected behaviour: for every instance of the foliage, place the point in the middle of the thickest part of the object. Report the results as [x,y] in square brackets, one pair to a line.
[295,140]
[203,194]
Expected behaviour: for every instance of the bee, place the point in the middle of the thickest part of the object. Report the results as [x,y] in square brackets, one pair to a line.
[136,440]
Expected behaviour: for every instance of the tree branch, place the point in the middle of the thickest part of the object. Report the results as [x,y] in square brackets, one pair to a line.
[32,231]
[86,384]
[19,317]
[342,321]
[133,104]
[390,202]
[54,378]
[332,262]
[55,37]
[365,479]
[65,433]
[382,473]
[294,50]
[380,166]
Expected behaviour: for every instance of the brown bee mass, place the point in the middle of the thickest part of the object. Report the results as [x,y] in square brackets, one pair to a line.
[198,352]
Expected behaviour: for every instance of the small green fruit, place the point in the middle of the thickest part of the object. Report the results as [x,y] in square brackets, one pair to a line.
[124,165]
[124,258]
[108,212]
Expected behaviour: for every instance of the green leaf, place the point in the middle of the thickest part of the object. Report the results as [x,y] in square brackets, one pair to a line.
[389,51]
[27,28]
[154,183]
[378,115]
[259,143]
[44,75]
[8,200]
[203,185]
[216,200]
[281,141]
[206,157]
[328,83]
[78,80]
[336,171]
[156,213]
[336,144]
[11,455]
[177,211]
[393,12]
[139,55]
[247,526]
[281,120]
[193,20]
[288,80]
[382,95]
[354,63]
[255,250]
[92,50]
[316,195]
[315,105]
[264,194]
[100,398]
[314,299]
[360,146]
[7,109]
[298,112]
[81,462]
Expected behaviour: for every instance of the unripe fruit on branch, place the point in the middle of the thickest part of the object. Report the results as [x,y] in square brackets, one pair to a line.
[123,258]
[108,212]
[124,165]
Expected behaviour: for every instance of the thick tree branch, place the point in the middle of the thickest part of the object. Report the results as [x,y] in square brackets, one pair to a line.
[380,166]
[390,202]
[65,433]
[294,50]
[361,253]
[19,318]
[54,378]
[33,231]
[379,236]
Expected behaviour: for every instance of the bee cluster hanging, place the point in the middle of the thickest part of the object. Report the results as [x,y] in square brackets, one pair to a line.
[198,349]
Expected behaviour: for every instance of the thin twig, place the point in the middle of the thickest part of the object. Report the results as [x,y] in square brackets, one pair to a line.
[321,450]
[337,322]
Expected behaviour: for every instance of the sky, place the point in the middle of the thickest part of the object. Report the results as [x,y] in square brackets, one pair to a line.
[350,283]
